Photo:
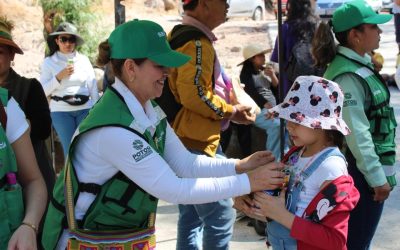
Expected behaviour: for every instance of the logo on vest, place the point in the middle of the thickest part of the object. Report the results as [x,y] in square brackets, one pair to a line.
[2,145]
[143,152]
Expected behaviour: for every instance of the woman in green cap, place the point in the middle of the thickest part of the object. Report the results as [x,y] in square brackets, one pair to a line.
[370,149]
[125,156]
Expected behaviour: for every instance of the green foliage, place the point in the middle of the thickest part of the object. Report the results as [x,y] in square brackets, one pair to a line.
[79,13]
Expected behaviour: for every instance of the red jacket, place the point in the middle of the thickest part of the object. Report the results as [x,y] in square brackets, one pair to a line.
[325,222]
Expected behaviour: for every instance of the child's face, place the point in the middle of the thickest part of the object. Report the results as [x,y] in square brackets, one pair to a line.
[259,61]
[304,136]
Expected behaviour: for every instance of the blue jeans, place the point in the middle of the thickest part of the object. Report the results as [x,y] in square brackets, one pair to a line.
[65,124]
[214,220]
[272,128]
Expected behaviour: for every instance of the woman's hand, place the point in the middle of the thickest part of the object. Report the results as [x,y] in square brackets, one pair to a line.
[253,161]
[24,238]
[267,177]
[381,193]
[273,207]
[66,72]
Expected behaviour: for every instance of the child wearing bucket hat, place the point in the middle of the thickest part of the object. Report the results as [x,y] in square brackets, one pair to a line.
[125,156]
[371,148]
[320,193]
[68,79]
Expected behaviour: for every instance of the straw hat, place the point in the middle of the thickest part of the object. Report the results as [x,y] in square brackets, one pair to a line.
[313,102]
[251,50]
[5,35]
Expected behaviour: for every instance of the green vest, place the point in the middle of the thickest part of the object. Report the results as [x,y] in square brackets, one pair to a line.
[11,201]
[380,115]
[119,203]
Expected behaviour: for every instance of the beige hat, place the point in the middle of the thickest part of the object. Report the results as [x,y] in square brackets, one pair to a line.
[251,50]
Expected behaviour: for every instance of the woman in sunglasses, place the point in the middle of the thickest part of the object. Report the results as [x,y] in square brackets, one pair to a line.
[68,80]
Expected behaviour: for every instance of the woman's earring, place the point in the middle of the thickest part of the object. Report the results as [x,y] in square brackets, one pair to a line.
[12,63]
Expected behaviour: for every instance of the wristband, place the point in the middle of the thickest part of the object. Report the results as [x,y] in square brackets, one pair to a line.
[31,226]
[391,180]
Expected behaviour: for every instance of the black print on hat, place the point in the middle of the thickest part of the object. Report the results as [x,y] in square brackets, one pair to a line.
[326,113]
[285,105]
[292,102]
[323,82]
[316,124]
[315,99]
[334,96]
[298,116]
[337,111]
[275,114]
[296,86]
[333,127]
[310,87]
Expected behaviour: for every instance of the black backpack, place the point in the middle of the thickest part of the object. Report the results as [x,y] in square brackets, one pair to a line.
[180,35]
[301,62]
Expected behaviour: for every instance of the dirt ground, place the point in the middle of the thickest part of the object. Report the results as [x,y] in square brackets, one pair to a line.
[28,33]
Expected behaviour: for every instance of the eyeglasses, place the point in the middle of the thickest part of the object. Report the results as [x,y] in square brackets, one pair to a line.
[64,39]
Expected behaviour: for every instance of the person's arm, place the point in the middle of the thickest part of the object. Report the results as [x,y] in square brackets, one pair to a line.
[198,96]
[204,166]
[38,112]
[360,140]
[155,176]
[35,194]
[48,77]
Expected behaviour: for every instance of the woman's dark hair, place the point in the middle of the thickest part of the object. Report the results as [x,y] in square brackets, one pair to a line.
[191,5]
[247,72]
[302,18]
[336,137]
[104,57]
[323,47]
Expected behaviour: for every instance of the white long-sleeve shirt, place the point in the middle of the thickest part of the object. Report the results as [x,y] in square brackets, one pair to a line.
[101,153]
[178,177]
[82,81]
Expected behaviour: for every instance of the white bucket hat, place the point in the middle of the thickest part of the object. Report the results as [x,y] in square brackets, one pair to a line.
[251,50]
[313,102]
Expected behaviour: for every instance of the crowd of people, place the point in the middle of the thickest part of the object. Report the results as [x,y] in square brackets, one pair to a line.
[123,152]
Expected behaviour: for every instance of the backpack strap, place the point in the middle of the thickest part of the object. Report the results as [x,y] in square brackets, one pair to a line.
[182,34]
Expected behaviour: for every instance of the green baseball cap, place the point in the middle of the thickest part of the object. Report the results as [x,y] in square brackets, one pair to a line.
[354,13]
[144,39]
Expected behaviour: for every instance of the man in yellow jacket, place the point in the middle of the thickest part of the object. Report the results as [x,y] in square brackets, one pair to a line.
[199,88]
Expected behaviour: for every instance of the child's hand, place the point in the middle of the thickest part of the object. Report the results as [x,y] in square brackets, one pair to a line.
[243,203]
[267,205]
[269,70]
[253,161]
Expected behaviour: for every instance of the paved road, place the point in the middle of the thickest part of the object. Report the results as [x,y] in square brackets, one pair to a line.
[388,232]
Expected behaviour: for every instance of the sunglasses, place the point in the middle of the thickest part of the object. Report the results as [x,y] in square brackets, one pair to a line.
[64,39]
